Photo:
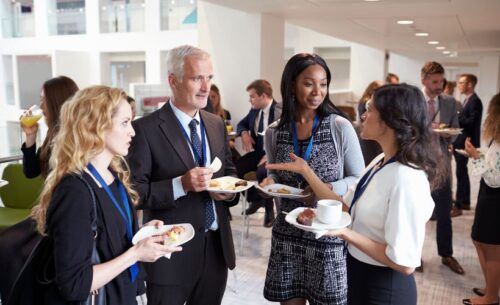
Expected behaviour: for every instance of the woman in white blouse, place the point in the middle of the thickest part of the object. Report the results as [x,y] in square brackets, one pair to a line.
[391,203]
[485,232]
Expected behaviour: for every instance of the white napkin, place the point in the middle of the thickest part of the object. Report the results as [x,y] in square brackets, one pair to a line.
[168,255]
[320,233]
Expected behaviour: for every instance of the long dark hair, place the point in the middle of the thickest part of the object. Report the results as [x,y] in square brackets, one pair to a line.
[57,90]
[294,67]
[403,109]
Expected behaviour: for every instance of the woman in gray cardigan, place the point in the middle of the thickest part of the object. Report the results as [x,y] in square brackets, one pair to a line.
[302,268]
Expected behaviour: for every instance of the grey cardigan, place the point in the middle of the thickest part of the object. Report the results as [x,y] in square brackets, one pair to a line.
[346,143]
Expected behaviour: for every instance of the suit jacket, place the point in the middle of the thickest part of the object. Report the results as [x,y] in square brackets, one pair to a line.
[248,123]
[470,120]
[447,114]
[160,153]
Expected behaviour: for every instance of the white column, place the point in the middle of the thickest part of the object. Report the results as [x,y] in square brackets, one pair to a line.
[92,17]
[272,51]
[42,9]
[152,15]
[153,67]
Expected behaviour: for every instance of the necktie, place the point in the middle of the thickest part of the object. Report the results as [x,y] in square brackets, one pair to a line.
[431,109]
[196,145]
[261,122]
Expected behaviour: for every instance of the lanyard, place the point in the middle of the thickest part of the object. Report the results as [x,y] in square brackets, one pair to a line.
[134,269]
[365,180]
[201,160]
[296,147]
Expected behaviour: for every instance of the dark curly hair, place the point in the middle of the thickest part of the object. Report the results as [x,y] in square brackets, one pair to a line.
[403,109]
[294,67]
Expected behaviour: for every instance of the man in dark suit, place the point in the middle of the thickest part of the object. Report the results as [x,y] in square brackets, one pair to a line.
[441,110]
[168,159]
[265,110]
[470,120]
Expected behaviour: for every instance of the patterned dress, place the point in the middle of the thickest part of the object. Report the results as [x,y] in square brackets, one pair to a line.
[301,265]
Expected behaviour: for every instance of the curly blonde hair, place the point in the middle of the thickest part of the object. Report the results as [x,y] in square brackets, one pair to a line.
[84,120]
[491,130]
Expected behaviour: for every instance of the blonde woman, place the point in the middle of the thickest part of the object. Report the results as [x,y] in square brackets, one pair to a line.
[94,135]
[485,233]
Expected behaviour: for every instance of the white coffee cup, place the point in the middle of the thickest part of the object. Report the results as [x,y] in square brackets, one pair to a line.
[329,211]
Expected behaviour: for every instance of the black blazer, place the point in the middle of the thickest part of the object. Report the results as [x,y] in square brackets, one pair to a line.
[69,225]
[160,153]
[470,120]
[248,122]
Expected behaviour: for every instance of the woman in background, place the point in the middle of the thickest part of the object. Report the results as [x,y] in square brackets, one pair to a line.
[215,98]
[485,233]
[370,148]
[94,136]
[54,93]
[391,203]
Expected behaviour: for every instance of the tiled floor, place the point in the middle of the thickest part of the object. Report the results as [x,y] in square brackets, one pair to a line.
[436,286]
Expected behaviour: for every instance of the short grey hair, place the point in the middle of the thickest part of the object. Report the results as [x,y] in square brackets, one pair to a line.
[175,59]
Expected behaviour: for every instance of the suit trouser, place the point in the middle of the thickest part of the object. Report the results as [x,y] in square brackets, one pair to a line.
[207,286]
[463,184]
[248,163]
[444,233]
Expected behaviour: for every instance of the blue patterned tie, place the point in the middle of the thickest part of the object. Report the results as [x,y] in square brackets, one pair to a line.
[196,145]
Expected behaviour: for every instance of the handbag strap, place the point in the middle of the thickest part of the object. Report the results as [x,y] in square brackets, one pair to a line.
[94,205]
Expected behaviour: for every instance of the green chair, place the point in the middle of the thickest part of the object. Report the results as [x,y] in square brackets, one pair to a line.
[18,196]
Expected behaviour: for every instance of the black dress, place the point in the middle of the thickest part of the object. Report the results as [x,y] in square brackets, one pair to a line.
[485,226]
[69,224]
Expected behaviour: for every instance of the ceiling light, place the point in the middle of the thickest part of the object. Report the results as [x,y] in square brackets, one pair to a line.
[446,52]
[405,21]
[433,42]
[371,0]
[421,34]
[440,48]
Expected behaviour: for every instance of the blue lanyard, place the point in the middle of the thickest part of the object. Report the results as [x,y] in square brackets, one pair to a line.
[134,269]
[365,180]
[296,147]
[201,160]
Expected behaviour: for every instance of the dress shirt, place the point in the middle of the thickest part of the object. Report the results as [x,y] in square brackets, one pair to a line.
[437,118]
[263,114]
[185,119]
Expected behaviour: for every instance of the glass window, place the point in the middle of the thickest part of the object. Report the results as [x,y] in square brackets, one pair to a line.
[121,16]
[18,19]
[66,17]
[8,77]
[178,14]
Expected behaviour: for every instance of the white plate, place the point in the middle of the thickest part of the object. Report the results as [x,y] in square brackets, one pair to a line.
[148,231]
[450,131]
[3,182]
[316,226]
[227,185]
[272,190]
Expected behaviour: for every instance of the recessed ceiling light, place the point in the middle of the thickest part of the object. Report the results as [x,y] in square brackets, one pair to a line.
[405,21]
[446,52]
[433,42]
[371,0]
[422,34]
[440,48]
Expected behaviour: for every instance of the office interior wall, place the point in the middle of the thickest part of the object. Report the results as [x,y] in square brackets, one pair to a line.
[233,38]
[75,65]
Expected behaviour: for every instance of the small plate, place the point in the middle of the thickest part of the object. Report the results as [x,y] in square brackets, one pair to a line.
[272,190]
[3,182]
[148,231]
[464,153]
[450,131]
[226,185]
[316,226]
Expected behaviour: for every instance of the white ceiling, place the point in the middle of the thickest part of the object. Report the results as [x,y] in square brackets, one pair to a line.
[465,27]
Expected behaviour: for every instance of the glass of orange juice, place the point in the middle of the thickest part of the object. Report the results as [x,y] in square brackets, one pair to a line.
[229,127]
[31,117]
